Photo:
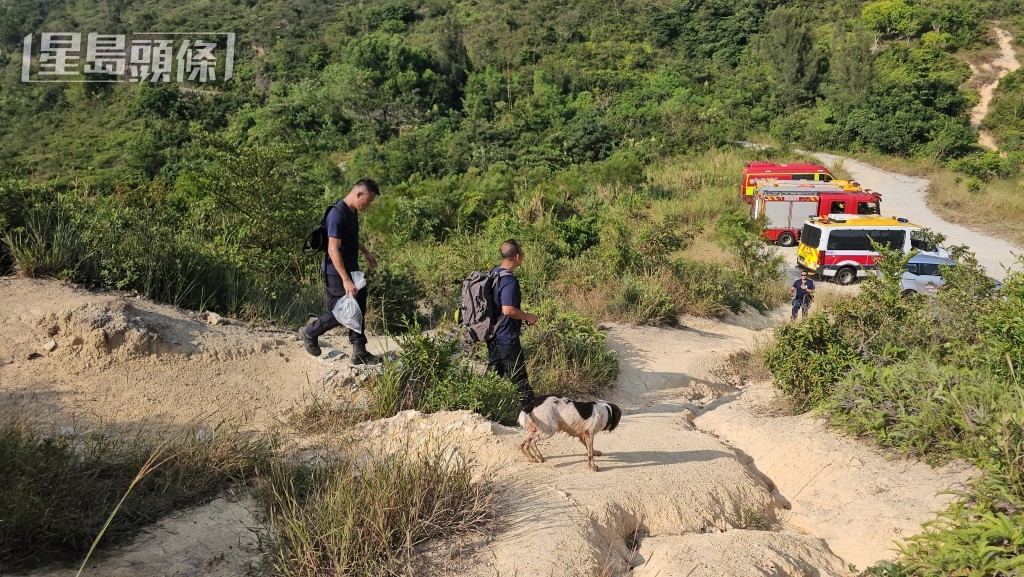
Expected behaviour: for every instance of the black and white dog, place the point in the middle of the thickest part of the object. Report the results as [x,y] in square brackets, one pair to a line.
[544,416]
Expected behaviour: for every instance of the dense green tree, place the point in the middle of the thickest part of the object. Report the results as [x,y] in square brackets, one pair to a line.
[788,45]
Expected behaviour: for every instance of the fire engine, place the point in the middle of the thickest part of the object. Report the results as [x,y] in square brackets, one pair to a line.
[786,204]
[787,171]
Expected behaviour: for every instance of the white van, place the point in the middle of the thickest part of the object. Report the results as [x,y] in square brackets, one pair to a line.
[839,247]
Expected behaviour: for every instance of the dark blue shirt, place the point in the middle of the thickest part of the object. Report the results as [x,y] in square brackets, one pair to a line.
[343,224]
[507,294]
[801,293]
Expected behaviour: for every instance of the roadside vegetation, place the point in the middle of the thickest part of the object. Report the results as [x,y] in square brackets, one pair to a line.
[933,378]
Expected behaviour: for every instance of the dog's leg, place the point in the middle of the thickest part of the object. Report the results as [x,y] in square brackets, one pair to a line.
[588,440]
[536,451]
[595,451]
[525,448]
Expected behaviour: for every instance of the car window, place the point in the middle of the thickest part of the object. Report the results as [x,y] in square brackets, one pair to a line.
[912,267]
[825,177]
[929,268]
[867,208]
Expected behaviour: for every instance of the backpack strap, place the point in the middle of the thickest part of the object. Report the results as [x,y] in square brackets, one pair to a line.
[323,223]
[495,290]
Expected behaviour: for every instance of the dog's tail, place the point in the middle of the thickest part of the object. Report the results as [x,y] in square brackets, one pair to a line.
[523,416]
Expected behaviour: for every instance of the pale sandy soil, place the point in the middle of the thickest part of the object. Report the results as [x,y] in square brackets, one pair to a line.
[700,474]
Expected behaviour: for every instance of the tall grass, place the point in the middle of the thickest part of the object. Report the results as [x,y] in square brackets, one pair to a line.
[57,492]
[566,355]
[365,514]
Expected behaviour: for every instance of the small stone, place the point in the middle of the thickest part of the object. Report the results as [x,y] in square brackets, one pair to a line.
[856,463]
[50,346]
[214,319]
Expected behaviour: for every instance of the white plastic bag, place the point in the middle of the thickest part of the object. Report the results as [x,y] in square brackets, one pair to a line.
[346,310]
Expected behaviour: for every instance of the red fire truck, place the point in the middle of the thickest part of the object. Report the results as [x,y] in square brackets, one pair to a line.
[753,171]
[786,204]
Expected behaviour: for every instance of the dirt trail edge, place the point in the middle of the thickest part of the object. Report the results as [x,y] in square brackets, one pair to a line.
[904,196]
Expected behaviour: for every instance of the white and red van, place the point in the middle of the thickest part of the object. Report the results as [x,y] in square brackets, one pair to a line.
[752,171]
[839,246]
[786,204]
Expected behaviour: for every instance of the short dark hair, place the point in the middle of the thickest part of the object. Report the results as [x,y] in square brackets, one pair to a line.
[369,184]
[510,248]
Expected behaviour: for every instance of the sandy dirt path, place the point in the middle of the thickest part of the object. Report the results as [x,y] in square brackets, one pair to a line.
[905,196]
[699,474]
[1005,63]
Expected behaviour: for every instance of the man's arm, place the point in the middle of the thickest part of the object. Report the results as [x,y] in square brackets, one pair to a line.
[371,261]
[516,313]
[334,252]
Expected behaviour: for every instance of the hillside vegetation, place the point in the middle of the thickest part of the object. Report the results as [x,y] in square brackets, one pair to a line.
[573,125]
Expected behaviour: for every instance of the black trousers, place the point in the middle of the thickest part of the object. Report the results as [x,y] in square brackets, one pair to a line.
[508,361]
[334,290]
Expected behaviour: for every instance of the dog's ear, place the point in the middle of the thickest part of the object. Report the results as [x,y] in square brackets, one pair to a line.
[613,420]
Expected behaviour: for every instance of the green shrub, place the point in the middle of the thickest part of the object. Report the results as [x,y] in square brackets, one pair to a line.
[644,301]
[393,300]
[566,355]
[428,375]
[935,378]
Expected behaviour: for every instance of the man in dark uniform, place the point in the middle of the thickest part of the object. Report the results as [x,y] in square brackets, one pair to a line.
[802,291]
[504,351]
[342,258]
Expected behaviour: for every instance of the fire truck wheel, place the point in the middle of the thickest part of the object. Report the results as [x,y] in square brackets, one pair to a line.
[846,276]
[787,239]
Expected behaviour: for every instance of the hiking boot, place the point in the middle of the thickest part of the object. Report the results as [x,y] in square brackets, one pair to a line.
[360,356]
[310,343]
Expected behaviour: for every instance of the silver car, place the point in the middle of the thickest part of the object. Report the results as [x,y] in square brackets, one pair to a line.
[923,274]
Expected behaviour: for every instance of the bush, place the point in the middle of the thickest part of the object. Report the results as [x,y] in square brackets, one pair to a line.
[428,376]
[393,300]
[644,301]
[935,378]
[566,355]
[366,514]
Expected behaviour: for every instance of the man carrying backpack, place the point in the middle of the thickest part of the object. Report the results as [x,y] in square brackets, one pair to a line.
[504,351]
[342,258]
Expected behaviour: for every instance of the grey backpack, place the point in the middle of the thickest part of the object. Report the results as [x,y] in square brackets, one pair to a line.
[479,308]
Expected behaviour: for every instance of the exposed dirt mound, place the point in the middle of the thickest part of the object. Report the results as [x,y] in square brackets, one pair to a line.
[69,355]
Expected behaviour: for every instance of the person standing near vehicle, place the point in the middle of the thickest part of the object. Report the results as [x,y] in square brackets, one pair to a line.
[342,258]
[802,291]
[505,351]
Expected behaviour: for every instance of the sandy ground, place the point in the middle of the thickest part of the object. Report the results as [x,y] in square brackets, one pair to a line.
[1005,63]
[699,474]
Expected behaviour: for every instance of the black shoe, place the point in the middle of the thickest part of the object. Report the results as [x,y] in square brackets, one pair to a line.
[310,343]
[360,356]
